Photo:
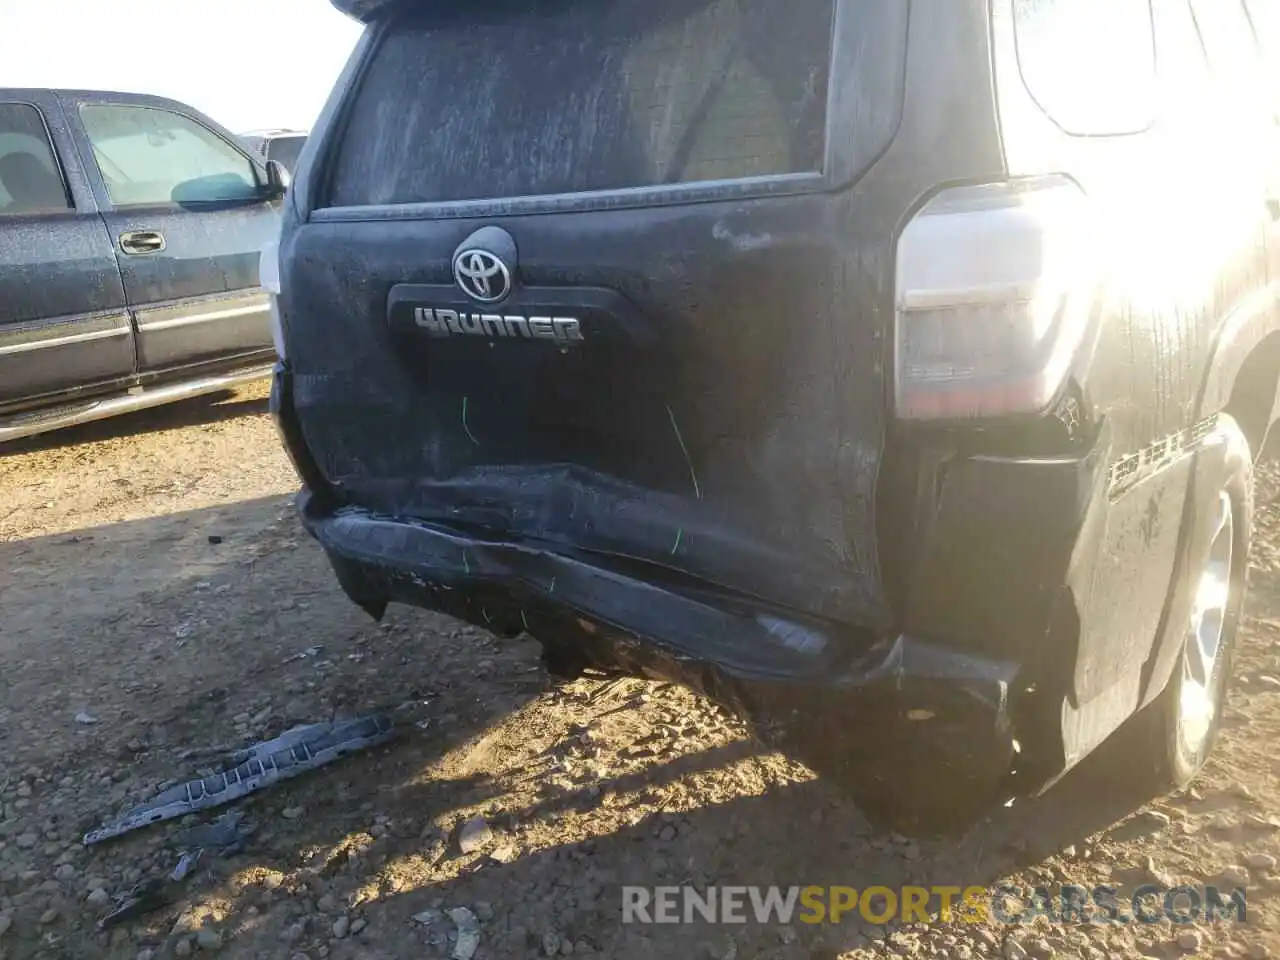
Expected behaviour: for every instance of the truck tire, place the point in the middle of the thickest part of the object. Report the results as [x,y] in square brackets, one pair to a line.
[1169,741]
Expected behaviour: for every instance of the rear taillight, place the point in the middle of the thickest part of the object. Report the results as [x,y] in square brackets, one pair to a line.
[269,278]
[994,293]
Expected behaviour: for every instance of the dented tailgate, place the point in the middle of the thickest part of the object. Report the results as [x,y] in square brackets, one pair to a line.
[632,315]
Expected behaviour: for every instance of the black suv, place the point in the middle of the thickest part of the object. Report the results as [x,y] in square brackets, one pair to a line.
[891,371]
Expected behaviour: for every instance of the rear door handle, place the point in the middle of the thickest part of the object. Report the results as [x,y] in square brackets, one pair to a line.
[142,241]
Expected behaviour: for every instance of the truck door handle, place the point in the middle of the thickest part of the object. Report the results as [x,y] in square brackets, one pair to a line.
[142,241]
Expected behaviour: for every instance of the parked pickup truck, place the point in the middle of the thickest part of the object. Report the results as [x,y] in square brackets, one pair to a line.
[130,232]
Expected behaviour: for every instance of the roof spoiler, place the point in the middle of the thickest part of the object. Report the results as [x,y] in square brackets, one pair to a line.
[364,10]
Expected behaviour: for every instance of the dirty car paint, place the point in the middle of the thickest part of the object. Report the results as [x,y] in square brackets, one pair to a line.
[723,418]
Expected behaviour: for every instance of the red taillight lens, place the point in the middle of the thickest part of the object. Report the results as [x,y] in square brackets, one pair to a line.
[994,294]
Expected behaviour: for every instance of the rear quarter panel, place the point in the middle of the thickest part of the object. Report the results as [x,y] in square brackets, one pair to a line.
[1181,216]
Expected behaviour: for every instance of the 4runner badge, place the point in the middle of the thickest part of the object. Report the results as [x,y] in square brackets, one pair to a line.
[455,323]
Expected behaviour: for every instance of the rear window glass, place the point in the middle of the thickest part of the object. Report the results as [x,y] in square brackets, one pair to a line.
[515,98]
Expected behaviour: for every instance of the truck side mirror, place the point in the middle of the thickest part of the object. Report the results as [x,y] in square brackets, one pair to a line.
[278,180]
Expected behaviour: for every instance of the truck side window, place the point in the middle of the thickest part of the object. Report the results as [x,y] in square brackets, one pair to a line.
[30,181]
[1184,66]
[1264,16]
[153,156]
[1236,58]
[1089,64]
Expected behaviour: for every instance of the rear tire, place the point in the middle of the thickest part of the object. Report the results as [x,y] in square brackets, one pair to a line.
[1176,732]
[918,787]
[930,812]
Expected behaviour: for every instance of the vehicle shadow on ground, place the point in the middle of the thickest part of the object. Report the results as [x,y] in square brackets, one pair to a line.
[797,834]
[183,634]
[792,834]
[196,411]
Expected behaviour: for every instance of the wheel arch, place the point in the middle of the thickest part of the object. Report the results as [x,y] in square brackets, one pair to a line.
[1213,463]
[1243,368]
[1253,399]
[1241,379]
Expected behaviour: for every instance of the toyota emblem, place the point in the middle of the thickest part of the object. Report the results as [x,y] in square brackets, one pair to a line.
[482,275]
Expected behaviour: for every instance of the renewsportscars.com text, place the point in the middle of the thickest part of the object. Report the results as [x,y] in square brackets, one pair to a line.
[1068,904]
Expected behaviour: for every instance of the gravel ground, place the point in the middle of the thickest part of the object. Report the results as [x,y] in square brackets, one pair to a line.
[158,596]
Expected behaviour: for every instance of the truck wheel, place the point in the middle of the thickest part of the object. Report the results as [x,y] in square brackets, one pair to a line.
[1178,729]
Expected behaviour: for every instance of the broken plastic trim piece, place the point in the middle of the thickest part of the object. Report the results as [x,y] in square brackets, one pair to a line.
[225,836]
[292,753]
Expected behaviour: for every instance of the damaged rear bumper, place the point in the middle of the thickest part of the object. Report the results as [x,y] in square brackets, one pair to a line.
[894,712]
[924,709]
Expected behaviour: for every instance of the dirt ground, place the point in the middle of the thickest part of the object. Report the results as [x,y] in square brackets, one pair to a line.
[158,597]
